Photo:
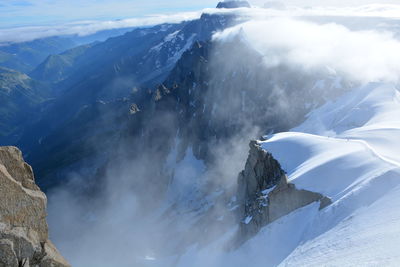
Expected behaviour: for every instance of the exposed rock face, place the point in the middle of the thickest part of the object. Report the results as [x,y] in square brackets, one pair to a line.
[233,4]
[265,194]
[23,227]
[134,109]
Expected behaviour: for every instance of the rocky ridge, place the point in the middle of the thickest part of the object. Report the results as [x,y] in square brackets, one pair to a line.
[233,4]
[24,238]
[265,195]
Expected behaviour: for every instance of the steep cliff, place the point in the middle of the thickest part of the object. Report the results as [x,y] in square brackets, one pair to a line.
[265,195]
[23,227]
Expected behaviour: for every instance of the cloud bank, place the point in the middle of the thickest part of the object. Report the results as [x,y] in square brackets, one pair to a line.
[83,28]
[362,56]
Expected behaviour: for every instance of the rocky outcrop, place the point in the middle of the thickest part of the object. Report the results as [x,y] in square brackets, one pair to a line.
[265,194]
[233,4]
[23,227]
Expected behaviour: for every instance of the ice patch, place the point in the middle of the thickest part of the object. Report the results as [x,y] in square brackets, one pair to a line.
[247,220]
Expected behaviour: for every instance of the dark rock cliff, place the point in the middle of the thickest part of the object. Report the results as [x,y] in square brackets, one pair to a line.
[265,195]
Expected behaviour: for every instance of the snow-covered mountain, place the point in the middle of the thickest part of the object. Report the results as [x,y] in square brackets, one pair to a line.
[297,186]
[346,150]
[142,142]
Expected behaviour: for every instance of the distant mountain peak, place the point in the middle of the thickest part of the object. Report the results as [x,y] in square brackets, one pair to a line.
[233,4]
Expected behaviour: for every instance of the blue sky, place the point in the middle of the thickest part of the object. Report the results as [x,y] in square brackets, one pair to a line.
[47,12]
[36,12]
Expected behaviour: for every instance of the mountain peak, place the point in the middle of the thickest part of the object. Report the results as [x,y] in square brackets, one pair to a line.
[233,4]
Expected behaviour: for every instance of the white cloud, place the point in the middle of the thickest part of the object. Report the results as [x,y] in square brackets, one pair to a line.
[83,28]
[28,33]
[337,3]
[370,10]
[362,56]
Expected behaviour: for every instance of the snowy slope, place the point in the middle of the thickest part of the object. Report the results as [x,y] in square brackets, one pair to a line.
[370,236]
[348,151]
[344,143]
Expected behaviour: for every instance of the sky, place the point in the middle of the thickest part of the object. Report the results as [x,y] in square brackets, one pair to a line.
[27,20]
[39,12]
[15,13]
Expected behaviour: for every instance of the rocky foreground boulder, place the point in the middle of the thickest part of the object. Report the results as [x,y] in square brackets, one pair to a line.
[24,238]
